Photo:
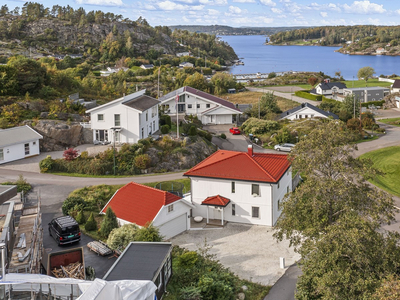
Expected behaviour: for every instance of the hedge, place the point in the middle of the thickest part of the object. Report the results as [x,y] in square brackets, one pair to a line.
[309,96]
[376,103]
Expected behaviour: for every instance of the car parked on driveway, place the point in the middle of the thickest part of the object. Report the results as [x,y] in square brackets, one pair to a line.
[65,230]
[234,130]
[284,147]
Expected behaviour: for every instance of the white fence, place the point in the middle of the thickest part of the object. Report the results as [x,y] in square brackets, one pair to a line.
[386,79]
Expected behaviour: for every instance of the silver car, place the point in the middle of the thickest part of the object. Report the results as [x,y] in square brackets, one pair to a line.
[284,147]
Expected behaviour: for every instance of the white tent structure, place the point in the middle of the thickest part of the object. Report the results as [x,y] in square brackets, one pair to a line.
[75,289]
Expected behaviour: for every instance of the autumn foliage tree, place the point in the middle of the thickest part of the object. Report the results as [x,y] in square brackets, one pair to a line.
[312,81]
[70,154]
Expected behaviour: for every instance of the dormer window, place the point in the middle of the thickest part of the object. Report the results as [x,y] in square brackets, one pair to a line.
[171,208]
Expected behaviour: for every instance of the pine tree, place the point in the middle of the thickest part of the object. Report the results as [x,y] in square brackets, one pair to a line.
[109,223]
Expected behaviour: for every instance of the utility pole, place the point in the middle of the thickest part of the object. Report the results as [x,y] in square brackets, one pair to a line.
[177,119]
[259,98]
[158,85]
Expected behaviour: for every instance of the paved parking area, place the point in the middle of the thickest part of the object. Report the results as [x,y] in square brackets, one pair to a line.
[249,251]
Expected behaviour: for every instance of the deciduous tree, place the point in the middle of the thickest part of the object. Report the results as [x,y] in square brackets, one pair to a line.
[365,73]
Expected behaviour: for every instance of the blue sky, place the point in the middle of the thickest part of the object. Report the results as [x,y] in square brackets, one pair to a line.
[237,13]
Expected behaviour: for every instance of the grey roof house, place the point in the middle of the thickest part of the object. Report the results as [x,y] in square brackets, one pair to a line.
[329,88]
[367,94]
[144,261]
[306,110]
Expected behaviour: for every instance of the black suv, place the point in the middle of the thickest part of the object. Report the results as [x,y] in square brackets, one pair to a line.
[64,230]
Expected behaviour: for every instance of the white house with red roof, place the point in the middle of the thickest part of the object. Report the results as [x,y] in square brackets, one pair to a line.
[242,187]
[140,204]
[208,108]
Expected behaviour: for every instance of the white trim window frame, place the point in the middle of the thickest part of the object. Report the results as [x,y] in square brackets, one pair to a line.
[1,154]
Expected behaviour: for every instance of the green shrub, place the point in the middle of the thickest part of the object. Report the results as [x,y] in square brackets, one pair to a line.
[120,237]
[91,224]
[192,131]
[307,95]
[380,130]
[376,103]
[168,120]
[148,233]
[257,126]
[70,203]
[142,161]
[109,223]
[80,218]
[46,164]
[205,134]
[21,183]
[223,136]
[164,129]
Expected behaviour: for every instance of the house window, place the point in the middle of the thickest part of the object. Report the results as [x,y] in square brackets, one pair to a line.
[100,117]
[26,149]
[233,210]
[255,189]
[233,187]
[181,98]
[117,120]
[287,190]
[158,281]
[189,105]
[255,212]
[147,116]
[171,208]
[34,143]
[279,204]
[154,125]
[198,105]
[207,105]
[142,133]
[167,270]
[1,154]
[278,184]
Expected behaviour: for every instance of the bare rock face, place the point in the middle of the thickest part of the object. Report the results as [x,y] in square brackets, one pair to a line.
[59,135]
[190,154]
[390,100]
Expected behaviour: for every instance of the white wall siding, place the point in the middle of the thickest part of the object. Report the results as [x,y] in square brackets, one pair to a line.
[242,198]
[278,194]
[15,152]
[164,216]
[302,113]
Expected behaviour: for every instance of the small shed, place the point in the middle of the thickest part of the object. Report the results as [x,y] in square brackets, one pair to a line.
[144,261]
[18,143]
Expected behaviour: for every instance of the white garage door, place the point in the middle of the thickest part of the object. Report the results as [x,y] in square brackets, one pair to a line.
[224,119]
[173,227]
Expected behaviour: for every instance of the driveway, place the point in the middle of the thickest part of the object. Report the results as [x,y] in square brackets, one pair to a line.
[249,251]
[290,96]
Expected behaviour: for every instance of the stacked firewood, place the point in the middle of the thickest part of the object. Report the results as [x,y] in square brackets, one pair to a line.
[74,270]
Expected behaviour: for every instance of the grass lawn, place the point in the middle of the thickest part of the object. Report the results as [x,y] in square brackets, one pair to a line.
[371,82]
[253,97]
[386,160]
[392,121]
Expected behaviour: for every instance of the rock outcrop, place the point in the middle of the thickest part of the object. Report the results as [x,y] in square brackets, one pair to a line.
[59,135]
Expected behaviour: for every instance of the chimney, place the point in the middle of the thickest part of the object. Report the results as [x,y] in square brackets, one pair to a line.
[250,150]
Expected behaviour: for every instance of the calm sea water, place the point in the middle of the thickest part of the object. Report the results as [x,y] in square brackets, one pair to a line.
[258,57]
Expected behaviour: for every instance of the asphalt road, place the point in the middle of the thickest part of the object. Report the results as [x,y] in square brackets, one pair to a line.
[290,96]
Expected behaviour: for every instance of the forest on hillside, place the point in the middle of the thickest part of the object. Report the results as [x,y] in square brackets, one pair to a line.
[363,38]
[101,36]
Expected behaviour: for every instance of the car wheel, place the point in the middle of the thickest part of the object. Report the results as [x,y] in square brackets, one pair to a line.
[50,233]
[278,149]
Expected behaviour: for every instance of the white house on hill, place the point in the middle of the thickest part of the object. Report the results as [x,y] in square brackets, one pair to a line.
[18,142]
[127,119]
[306,110]
[242,187]
[208,108]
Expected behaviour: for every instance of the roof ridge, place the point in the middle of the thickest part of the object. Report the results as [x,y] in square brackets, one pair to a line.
[258,165]
[237,153]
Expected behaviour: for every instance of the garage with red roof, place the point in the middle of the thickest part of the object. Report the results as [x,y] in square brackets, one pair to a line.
[140,204]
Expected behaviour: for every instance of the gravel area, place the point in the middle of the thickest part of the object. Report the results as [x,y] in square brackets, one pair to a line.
[285,89]
[249,251]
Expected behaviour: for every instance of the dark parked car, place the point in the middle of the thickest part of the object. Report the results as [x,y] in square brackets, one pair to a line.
[65,230]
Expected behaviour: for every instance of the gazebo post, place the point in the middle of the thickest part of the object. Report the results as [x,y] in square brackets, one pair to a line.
[222,219]
[207,215]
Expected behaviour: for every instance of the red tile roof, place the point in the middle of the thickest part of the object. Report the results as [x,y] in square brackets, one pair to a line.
[216,201]
[139,204]
[224,164]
